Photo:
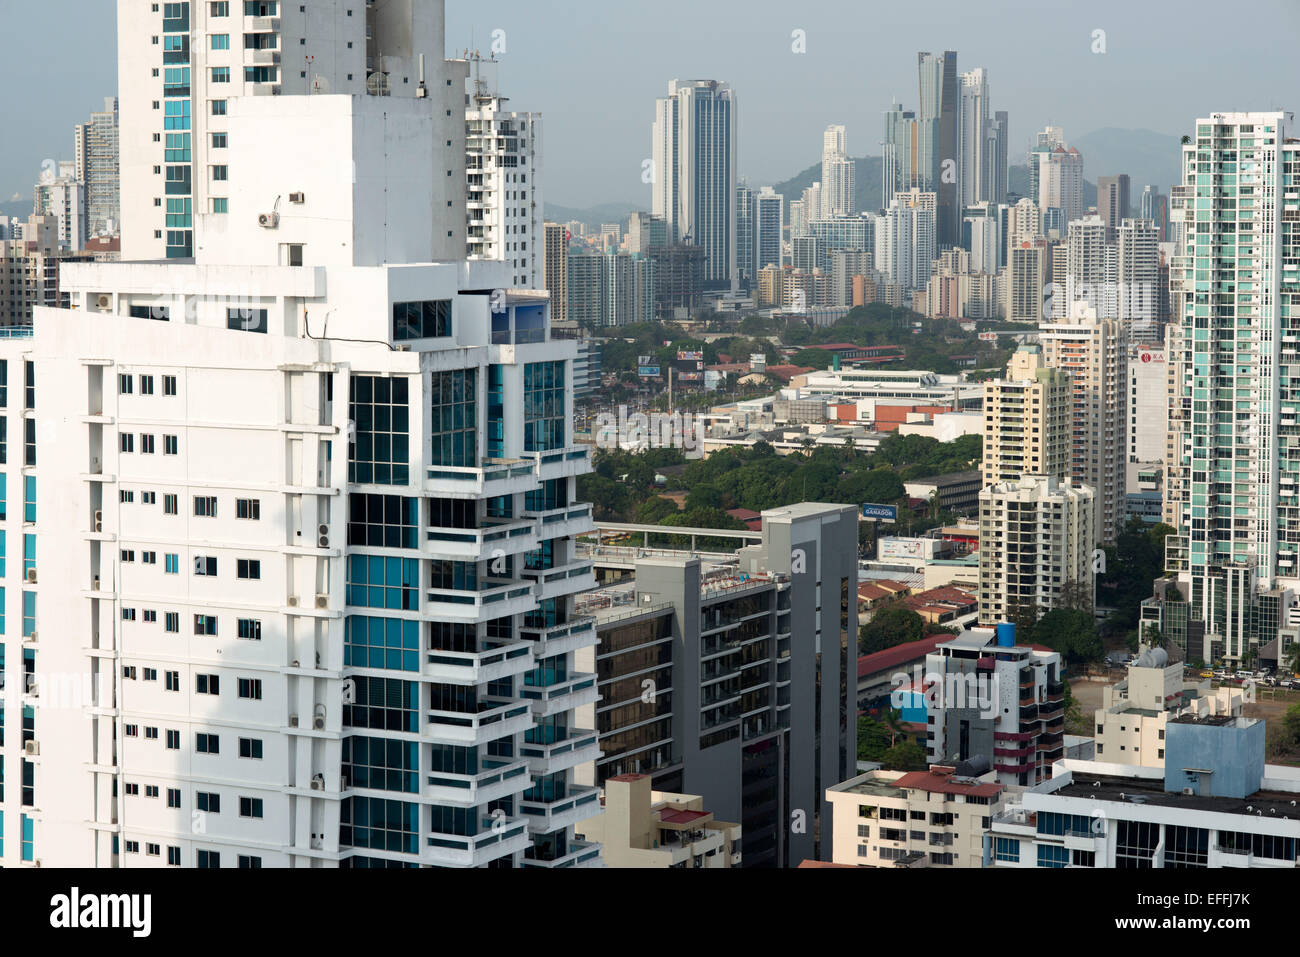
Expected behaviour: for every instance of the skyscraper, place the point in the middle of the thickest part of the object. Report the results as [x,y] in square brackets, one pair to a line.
[555,266]
[768,214]
[97,159]
[975,129]
[1092,271]
[694,143]
[838,176]
[1060,187]
[746,255]
[899,154]
[1238,309]
[940,141]
[1113,203]
[313,494]
[1139,292]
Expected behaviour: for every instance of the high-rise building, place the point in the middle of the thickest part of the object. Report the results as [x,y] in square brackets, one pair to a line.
[503,169]
[1142,296]
[1238,307]
[1028,276]
[1047,139]
[555,266]
[210,57]
[610,289]
[1091,271]
[1113,203]
[752,668]
[838,176]
[974,166]
[939,157]
[999,157]
[983,237]
[318,502]
[768,215]
[905,242]
[1094,353]
[1036,548]
[1148,405]
[645,231]
[694,156]
[29,271]
[899,154]
[63,196]
[1027,420]
[1058,180]
[97,157]
[746,255]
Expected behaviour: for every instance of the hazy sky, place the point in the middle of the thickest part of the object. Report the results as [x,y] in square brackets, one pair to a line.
[594,67]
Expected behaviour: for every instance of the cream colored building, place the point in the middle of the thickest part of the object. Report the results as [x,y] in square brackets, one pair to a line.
[1036,539]
[1027,420]
[934,818]
[1134,713]
[1094,353]
[640,827]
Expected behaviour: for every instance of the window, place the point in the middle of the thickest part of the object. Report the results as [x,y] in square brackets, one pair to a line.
[148,558]
[247,861]
[387,643]
[207,802]
[250,748]
[169,385]
[207,859]
[150,674]
[246,320]
[131,790]
[220,141]
[170,445]
[380,450]
[221,41]
[545,417]
[173,740]
[205,506]
[131,730]
[173,856]
[1053,856]
[173,797]
[248,508]
[377,582]
[218,107]
[219,8]
[250,807]
[389,521]
[250,688]
[150,616]
[421,320]
[260,8]
[171,564]
[207,684]
[125,384]
[151,790]
[207,743]
[454,419]
[172,622]
[146,444]
[220,174]
[172,681]
[148,498]
[171,505]
[128,555]
[220,74]
[205,566]
[128,442]
[205,625]
[152,850]
[150,734]
[248,569]
[249,629]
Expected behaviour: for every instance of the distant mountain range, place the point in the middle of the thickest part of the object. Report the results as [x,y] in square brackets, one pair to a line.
[1148,157]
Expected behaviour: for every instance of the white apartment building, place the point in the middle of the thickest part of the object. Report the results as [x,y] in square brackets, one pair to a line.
[935,818]
[1138,274]
[96,145]
[1091,271]
[1036,542]
[906,239]
[503,167]
[838,176]
[1027,419]
[181,66]
[306,503]
[1148,403]
[1094,353]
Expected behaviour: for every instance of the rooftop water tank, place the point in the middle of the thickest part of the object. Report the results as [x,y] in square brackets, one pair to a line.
[1006,635]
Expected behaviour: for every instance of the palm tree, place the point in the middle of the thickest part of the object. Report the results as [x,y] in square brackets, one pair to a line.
[894,722]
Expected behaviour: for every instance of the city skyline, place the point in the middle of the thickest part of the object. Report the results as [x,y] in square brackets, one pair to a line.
[1040,61]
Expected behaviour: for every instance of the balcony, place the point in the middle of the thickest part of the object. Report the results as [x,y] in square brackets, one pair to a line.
[561,639]
[481,544]
[562,463]
[569,579]
[496,599]
[543,817]
[496,477]
[578,748]
[563,522]
[476,668]
[495,719]
[472,790]
[503,836]
[547,700]
[581,854]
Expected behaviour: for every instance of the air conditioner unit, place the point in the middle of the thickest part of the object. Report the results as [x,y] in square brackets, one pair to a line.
[322,601]
[31,638]
[318,722]
[293,721]
[1189,792]
[293,601]
[323,530]
[323,541]
[298,198]
[31,575]
[268,220]
[32,748]
[318,782]
[103,302]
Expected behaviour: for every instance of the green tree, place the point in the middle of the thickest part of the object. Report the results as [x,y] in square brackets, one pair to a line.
[893,624]
[905,756]
[1072,633]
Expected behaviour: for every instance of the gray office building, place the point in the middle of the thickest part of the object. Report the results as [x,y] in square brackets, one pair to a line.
[731,675]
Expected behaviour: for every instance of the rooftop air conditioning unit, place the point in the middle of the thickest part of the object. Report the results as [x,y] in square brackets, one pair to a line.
[32,748]
[103,302]
[268,220]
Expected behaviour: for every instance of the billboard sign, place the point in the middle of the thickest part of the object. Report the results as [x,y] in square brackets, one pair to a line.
[880,513]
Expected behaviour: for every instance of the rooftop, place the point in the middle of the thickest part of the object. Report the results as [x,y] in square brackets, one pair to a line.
[1135,790]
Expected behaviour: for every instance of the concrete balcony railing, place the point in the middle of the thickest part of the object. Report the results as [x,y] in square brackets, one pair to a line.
[569,579]
[494,478]
[578,748]
[469,669]
[501,836]
[473,790]
[581,854]
[561,639]
[496,719]
[578,805]
[546,700]
[482,544]
[562,463]
[493,600]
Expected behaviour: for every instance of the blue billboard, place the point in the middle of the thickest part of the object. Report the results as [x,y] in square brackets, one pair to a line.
[881,513]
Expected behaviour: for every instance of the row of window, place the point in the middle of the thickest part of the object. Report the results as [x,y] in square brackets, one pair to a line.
[125,382]
[205,801]
[246,629]
[249,688]
[205,506]
[148,444]
[202,858]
